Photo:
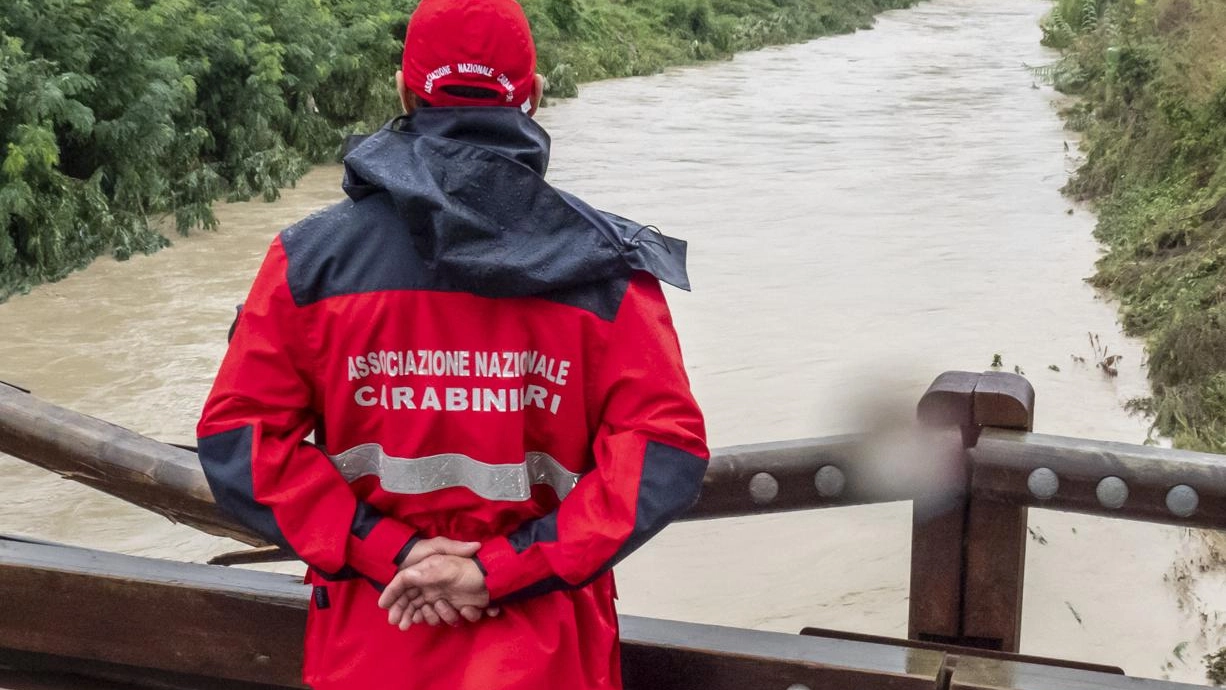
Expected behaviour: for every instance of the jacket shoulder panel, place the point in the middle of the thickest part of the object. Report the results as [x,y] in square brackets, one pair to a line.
[351,247]
[366,246]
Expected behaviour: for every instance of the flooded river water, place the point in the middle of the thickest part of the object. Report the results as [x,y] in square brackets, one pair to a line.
[864,212]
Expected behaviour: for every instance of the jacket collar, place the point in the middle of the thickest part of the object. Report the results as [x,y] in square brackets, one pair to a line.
[505,131]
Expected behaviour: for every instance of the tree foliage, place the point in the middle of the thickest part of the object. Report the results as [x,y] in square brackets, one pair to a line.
[115,113]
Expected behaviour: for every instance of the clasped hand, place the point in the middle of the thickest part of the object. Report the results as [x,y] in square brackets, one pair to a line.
[438,582]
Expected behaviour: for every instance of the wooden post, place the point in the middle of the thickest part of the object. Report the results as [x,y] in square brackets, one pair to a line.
[968,555]
[996,533]
[938,520]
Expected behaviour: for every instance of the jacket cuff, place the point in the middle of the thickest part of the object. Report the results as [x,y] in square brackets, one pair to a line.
[496,559]
[375,554]
[506,570]
[404,550]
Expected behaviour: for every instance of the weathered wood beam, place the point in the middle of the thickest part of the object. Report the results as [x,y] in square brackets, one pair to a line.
[819,473]
[147,622]
[972,673]
[261,554]
[956,650]
[741,480]
[668,655]
[146,613]
[1120,480]
[247,626]
[32,671]
[153,475]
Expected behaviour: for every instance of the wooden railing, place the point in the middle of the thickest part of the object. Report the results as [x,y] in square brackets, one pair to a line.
[975,447]
[969,530]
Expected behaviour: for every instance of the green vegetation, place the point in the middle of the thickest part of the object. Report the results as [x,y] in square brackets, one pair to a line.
[1215,667]
[1152,79]
[116,114]
[116,111]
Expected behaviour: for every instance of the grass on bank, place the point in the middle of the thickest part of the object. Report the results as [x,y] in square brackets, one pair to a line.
[1152,79]
[114,113]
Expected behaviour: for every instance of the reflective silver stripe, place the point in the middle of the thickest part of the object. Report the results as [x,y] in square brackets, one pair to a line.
[435,472]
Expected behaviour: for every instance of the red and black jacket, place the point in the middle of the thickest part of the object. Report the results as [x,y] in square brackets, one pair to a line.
[477,354]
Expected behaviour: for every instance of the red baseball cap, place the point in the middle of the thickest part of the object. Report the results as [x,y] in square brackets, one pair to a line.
[485,44]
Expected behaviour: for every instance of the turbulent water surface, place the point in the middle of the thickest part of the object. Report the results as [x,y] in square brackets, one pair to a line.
[864,212]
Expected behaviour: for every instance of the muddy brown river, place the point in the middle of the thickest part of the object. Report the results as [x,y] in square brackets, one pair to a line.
[864,212]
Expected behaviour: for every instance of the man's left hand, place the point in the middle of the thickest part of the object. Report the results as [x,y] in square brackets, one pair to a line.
[439,589]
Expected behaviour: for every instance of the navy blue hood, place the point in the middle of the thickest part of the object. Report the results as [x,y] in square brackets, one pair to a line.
[469,183]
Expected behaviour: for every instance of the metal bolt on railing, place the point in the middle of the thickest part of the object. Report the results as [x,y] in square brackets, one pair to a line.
[1043,483]
[1182,500]
[1112,492]
[763,488]
[829,481]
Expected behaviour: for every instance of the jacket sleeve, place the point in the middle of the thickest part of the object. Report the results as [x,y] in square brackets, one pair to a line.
[650,456]
[254,453]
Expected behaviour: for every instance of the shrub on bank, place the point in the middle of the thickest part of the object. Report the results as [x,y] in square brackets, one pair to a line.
[1152,76]
[113,112]
[118,114]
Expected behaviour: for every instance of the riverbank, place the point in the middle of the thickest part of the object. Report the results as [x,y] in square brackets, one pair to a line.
[1152,81]
[131,117]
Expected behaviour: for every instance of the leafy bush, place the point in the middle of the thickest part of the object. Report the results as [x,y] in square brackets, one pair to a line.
[114,112]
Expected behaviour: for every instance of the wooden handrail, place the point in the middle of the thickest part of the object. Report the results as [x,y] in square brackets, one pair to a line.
[153,475]
[969,525]
[197,627]
[1119,480]
[168,480]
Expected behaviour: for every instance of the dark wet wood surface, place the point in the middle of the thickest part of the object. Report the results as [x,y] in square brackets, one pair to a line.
[193,620]
[153,475]
[988,674]
[139,621]
[1004,461]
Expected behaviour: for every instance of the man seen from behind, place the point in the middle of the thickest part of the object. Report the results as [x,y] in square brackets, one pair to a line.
[490,371]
